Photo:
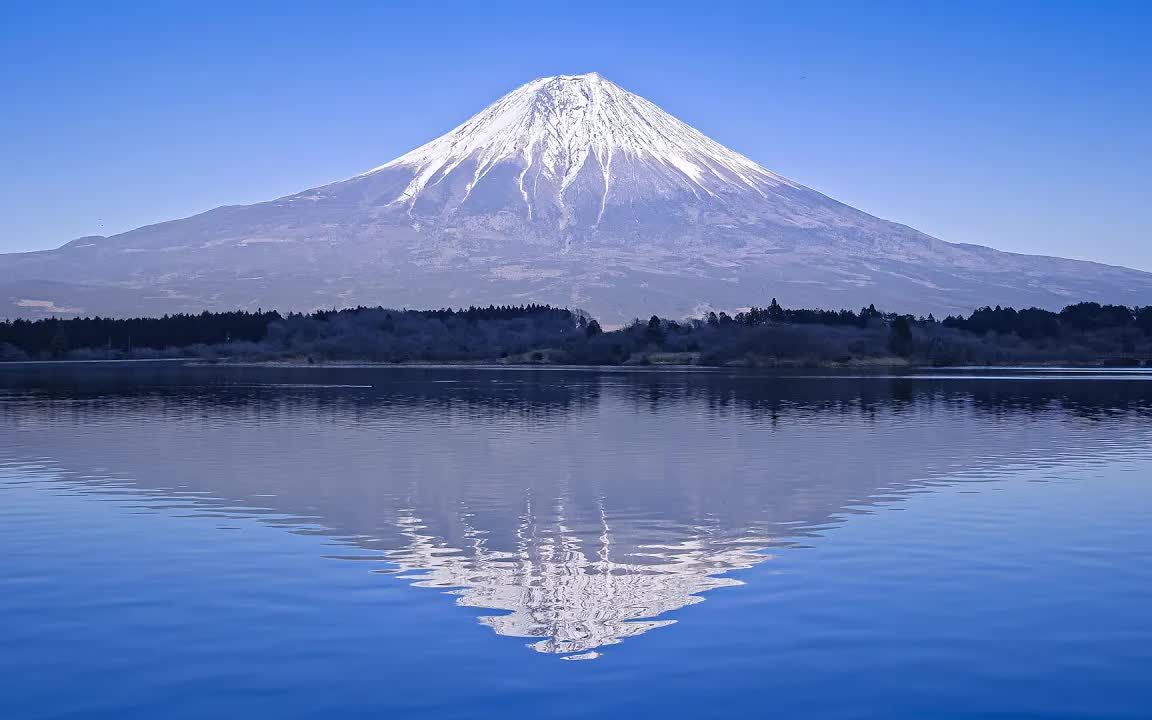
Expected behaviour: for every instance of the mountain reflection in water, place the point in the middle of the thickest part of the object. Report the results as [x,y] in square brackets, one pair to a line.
[585,507]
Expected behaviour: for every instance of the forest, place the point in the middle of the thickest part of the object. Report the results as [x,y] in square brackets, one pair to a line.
[1086,333]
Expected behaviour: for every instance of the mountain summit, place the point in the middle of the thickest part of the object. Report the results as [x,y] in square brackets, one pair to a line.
[568,190]
[576,148]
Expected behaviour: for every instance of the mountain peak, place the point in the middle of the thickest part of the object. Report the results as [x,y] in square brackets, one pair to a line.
[590,77]
[548,145]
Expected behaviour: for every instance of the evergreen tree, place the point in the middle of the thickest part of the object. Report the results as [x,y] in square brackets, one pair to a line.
[900,336]
[655,331]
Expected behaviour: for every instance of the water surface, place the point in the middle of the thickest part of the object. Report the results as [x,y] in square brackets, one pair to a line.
[193,542]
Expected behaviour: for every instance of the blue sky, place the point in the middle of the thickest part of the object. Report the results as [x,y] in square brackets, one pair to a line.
[1020,125]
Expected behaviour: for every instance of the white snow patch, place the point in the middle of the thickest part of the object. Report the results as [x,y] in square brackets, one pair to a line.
[558,124]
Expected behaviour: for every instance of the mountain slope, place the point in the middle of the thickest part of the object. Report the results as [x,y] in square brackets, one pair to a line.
[568,190]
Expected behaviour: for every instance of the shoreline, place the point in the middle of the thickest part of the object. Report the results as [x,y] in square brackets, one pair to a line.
[876,364]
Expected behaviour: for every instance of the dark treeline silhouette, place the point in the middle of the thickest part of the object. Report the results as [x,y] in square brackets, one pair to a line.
[1087,333]
[61,337]
[776,313]
[475,333]
[760,336]
[1036,323]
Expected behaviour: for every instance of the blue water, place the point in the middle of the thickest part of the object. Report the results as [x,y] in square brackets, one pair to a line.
[462,543]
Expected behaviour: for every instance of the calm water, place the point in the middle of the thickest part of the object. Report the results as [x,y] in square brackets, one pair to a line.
[461,543]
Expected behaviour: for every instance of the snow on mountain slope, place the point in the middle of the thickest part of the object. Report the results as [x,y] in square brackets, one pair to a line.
[553,129]
[568,190]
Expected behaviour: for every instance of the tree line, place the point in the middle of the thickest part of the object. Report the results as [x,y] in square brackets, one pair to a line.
[770,335]
[1037,323]
[372,333]
[59,336]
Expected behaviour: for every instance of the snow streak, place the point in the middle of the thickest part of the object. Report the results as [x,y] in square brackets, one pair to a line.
[554,126]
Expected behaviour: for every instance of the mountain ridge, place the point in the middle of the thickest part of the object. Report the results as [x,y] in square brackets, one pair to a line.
[568,190]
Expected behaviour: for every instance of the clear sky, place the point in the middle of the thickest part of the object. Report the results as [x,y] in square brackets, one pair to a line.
[1026,126]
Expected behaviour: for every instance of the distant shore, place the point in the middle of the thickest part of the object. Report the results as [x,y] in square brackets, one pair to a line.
[864,363]
[1084,335]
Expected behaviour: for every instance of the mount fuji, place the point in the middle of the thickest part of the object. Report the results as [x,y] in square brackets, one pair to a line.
[569,190]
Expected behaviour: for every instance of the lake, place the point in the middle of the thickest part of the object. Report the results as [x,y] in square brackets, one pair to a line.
[206,542]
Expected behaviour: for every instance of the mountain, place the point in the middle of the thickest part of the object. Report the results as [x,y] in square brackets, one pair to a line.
[568,190]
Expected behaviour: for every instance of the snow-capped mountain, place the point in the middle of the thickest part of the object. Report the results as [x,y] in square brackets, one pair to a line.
[568,190]
[578,149]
